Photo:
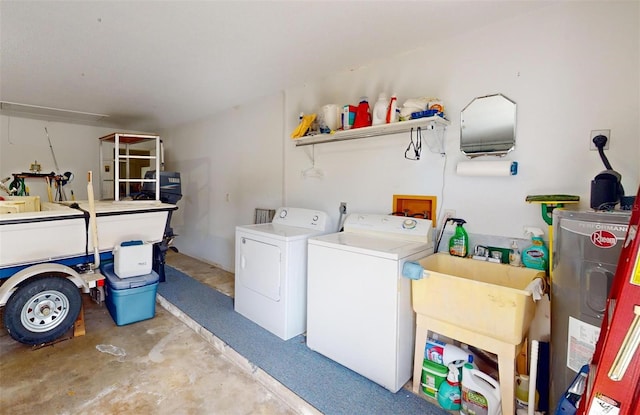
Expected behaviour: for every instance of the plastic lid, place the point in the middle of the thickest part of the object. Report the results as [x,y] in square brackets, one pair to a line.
[132,243]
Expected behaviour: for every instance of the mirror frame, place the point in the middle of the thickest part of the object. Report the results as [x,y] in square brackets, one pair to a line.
[488,126]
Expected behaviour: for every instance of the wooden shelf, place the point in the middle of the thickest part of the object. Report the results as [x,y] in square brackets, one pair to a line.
[373,131]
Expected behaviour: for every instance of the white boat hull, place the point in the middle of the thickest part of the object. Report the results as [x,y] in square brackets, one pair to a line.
[58,231]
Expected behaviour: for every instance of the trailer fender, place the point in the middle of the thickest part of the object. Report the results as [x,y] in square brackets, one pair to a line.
[12,283]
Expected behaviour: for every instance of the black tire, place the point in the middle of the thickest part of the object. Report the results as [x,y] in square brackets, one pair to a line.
[42,310]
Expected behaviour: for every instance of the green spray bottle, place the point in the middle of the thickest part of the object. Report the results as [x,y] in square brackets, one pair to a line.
[459,242]
[449,393]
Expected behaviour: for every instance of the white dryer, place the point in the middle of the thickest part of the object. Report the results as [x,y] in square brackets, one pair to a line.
[271,269]
[358,303]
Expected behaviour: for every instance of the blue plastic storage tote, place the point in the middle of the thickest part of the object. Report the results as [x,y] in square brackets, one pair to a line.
[131,299]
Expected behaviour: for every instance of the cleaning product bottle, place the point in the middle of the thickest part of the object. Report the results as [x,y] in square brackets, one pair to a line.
[480,393]
[535,256]
[571,398]
[445,353]
[392,110]
[449,392]
[380,109]
[514,254]
[363,114]
[522,393]
[453,353]
[459,242]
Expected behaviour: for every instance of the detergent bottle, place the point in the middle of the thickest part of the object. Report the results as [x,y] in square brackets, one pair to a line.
[446,353]
[480,393]
[535,256]
[363,114]
[380,109]
[459,242]
[449,391]
[392,110]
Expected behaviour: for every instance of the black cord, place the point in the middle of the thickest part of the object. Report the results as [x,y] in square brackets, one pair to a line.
[600,141]
[440,235]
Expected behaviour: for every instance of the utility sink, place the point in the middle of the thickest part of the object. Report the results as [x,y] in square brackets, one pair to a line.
[484,297]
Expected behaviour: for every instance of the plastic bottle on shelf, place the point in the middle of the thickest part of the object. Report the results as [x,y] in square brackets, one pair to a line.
[380,109]
[363,114]
[392,110]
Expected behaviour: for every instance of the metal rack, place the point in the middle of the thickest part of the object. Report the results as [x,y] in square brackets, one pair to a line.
[123,148]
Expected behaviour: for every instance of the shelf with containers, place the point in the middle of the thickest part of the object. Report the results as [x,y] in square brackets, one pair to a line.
[435,123]
[124,160]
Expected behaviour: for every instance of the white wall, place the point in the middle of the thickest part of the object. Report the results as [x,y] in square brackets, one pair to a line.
[76,148]
[230,164]
[567,77]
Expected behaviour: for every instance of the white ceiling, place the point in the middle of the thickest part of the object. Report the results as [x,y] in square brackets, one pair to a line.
[156,64]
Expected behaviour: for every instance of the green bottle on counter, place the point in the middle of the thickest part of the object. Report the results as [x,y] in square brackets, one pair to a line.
[459,242]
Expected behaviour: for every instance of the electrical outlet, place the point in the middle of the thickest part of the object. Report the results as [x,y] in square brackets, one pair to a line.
[595,133]
[343,208]
[449,213]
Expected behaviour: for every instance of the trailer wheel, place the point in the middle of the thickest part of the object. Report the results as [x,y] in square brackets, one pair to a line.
[42,310]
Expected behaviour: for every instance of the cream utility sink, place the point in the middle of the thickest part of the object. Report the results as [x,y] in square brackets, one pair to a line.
[481,296]
[479,303]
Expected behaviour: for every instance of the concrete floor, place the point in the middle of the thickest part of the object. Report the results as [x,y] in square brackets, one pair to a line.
[165,365]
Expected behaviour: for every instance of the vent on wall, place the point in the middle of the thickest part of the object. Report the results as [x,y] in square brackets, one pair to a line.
[47,113]
[264,215]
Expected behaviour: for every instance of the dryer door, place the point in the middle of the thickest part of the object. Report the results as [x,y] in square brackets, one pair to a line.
[260,267]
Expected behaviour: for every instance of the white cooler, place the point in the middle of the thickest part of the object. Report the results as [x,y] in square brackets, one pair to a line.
[132,259]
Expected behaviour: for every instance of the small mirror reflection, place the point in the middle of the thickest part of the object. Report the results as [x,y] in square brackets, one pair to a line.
[488,126]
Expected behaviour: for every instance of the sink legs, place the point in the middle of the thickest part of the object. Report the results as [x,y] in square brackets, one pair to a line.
[506,355]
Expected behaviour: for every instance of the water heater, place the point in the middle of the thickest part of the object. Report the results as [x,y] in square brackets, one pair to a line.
[587,248]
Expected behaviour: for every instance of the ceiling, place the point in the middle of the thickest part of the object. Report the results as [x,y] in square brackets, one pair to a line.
[150,65]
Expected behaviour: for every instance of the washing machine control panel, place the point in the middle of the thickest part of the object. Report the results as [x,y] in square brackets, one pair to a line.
[392,226]
[302,218]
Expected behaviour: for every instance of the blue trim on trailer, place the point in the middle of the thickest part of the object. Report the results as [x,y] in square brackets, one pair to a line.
[70,262]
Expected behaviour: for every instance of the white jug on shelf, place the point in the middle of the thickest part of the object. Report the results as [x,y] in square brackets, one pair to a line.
[331,115]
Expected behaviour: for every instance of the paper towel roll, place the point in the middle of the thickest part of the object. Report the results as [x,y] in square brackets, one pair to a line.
[331,114]
[487,168]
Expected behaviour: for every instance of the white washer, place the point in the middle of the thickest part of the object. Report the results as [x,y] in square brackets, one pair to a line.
[358,303]
[271,269]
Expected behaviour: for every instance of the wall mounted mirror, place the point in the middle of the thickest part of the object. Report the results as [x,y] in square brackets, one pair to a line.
[488,126]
